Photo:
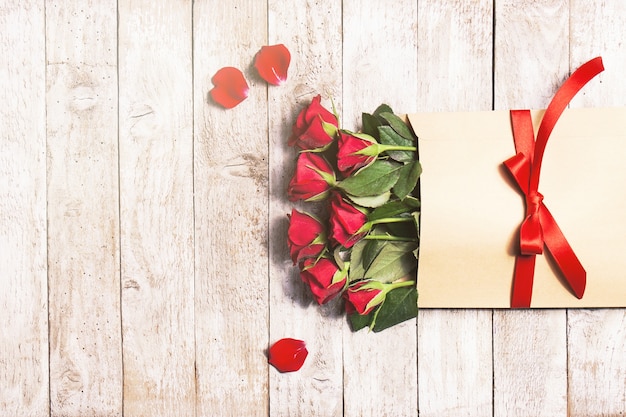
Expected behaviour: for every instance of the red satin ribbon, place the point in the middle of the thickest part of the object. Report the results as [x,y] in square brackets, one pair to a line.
[539,227]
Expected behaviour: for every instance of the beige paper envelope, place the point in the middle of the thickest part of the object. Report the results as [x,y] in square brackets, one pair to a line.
[471,209]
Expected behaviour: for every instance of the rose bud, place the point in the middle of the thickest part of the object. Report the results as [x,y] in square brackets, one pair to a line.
[346,222]
[364,296]
[313,179]
[355,151]
[315,127]
[288,355]
[324,278]
[306,236]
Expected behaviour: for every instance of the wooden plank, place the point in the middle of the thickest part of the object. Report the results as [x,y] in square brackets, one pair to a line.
[83,218]
[156,207]
[23,276]
[597,348]
[530,354]
[597,28]
[380,369]
[312,32]
[231,169]
[454,74]
[597,338]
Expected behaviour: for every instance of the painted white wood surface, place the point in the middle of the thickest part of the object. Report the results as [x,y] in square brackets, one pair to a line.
[144,267]
[230,181]
[24,381]
[312,32]
[156,207]
[83,208]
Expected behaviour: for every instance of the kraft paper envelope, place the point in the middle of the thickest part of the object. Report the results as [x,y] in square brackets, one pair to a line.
[471,209]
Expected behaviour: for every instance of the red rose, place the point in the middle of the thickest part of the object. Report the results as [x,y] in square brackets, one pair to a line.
[312,180]
[346,222]
[309,133]
[350,155]
[288,355]
[324,278]
[364,296]
[306,236]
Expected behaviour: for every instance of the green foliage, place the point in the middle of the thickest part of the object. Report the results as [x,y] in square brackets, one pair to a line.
[385,187]
[374,180]
[407,181]
[400,305]
[394,260]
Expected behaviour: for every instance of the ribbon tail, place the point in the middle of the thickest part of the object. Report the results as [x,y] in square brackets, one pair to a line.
[523,277]
[563,254]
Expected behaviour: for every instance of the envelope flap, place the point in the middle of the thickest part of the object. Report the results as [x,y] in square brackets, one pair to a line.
[471,211]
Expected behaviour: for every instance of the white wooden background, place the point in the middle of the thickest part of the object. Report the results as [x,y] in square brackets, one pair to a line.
[143,263]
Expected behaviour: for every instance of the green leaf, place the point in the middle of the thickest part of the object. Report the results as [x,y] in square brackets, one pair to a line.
[371,201]
[399,305]
[416,217]
[370,125]
[394,261]
[391,209]
[370,251]
[412,201]
[340,255]
[374,180]
[398,125]
[390,137]
[358,322]
[356,270]
[407,181]
[383,108]
[405,229]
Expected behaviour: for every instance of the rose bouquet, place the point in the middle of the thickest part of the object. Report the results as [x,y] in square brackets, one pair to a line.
[359,240]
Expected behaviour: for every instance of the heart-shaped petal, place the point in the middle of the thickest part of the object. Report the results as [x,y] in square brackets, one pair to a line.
[230,88]
[272,63]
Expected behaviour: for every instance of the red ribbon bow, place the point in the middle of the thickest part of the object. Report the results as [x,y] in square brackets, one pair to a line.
[539,227]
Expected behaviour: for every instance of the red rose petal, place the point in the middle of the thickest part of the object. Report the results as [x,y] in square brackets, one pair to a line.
[230,88]
[272,63]
[288,355]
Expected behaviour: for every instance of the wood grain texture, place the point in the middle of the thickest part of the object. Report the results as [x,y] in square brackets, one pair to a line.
[156,207]
[379,41]
[144,269]
[531,52]
[597,338]
[312,32]
[83,220]
[454,74]
[530,354]
[596,352]
[529,363]
[454,62]
[23,272]
[230,177]
[597,28]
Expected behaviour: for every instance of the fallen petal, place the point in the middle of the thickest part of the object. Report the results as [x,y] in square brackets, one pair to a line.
[288,355]
[230,88]
[272,63]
